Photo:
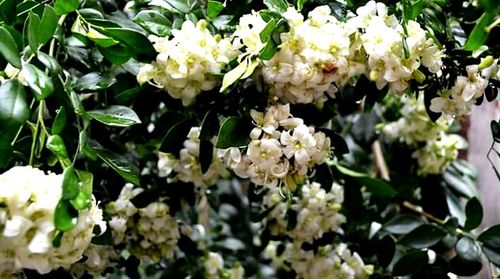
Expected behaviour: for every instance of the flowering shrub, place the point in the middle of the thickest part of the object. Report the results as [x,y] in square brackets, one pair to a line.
[243,139]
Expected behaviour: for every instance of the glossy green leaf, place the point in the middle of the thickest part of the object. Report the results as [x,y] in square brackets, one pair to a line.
[234,132]
[8,48]
[402,224]
[71,183]
[119,116]
[209,126]
[93,82]
[49,62]
[116,54]
[81,201]
[468,249]
[410,263]
[14,110]
[276,5]
[175,137]
[66,6]
[135,41]
[154,22]
[491,237]
[56,145]
[478,36]
[175,6]
[40,30]
[473,214]
[214,8]
[65,216]
[424,236]
[265,34]
[117,162]
[466,188]
[38,81]
[455,206]
[8,11]
[59,121]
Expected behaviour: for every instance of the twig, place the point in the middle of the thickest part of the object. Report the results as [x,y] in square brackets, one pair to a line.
[380,161]
[420,210]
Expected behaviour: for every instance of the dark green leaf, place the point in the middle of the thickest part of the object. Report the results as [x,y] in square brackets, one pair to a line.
[410,263]
[478,36]
[324,176]
[59,122]
[460,184]
[377,187]
[386,249]
[234,132]
[407,10]
[462,267]
[269,50]
[279,6]
[468,249]
[495,130]
[8,11]
[104,239]
[175,137]
[119,163]
[424,236]
[135,41]
[49,62]
[38,81]
[265,34]
[473,214]
[14,110]
[116,54]
[71,184]
[209,126]
[402,224]
[206,155]
[491,237]
[214,8]
[492,254]
[154,22]
[8,48]
[66,6]
[455,207]
[65,216]
[48,24]
[56,241]
[94,81]
[291,217]
[119,116]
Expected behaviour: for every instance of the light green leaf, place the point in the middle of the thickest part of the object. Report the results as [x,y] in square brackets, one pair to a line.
[214,8]
[119,116]
[479,35]
[71,183]
[65,216]
[234,75]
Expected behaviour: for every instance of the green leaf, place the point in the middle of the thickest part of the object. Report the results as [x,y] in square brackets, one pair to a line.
[59,122]
[104,239]
[402,224]
[138,44]
[265,34]
[38,81]
[175,137]
[154,22]
[478,36]
[455,207]
[175,6]
[460,184]
[491,237]
[8,48]
[300,4]
[279,6]
[410,263]
[468,249]
[41,30]
[376,186]
[492,254]
[71,183]
[386,249]
[49,62]
[14,110]
[93,82]
[424,236]
[473,214]
[234,132]
[6,152]
[209,126]
[81,201]
[8,11]
[118,163]
[234,75]
[116,54]
[407,10]
[495,130]
[56,145]
[416,9]
[119,116]
[62,7]
[206,155]
[214,8]
[269,50]
[65,216]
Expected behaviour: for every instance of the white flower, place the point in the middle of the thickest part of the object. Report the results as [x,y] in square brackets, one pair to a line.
[248,31]
[299,145]
[187,63]
[29,198]
[435,156]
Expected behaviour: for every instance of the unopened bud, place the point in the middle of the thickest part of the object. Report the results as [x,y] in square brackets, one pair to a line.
[487,61]
[419,76]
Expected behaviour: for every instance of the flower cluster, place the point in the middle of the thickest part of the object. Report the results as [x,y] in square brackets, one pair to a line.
[282,149]
[435,149]
[188,167]
[315,53]
[150,232]
[317,212]
[459,99]
[214,268]
[247,33]
[98,259]
[187,63]
[28,198]
[330,261]
[394,53]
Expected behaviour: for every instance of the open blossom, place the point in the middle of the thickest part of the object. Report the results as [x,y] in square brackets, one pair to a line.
[150,232]
[459,99]
[382,40]
[282,149]
[248,31]
[187,63]
[214,268]
[187,167]
[317,212]
[29,197]
[313,55]
[329,262]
